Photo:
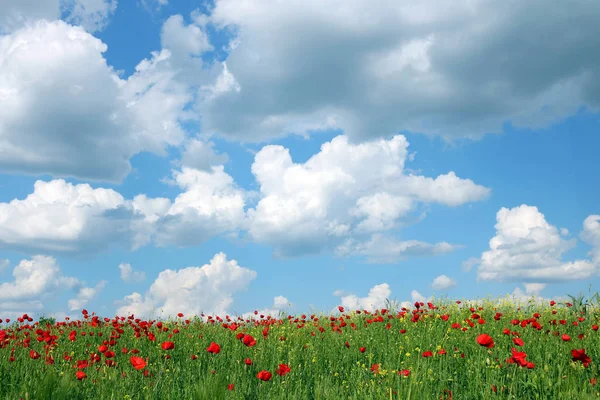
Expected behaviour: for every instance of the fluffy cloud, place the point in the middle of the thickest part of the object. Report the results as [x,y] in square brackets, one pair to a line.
[591,235]
[385,250]
[402,66]
[84,296]
[376,299]
[345,194]
[95,121]
[527,248]
[192,290]
[129,275]
[35,277]
[35,281]
[210,204]
[93,15]
[63,217]
[198,154]
[443,282]
[279,304]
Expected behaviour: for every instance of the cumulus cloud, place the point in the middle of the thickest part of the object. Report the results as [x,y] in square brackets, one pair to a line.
[279,304]
[404,67]
[62,217]
[343,199]
[531,294]
[527,248]
[93,15]
[210,204]
[95,121]
[385,250]
[443,282]
[192,290]
[376,299]
[345,194]
[591,235]
[199,154]
[129,275]
[35,280]
[84,296]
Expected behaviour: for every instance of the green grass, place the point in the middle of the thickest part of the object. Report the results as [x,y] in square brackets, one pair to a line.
[321,365]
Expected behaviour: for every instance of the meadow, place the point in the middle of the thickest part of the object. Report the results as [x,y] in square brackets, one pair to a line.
[443,350]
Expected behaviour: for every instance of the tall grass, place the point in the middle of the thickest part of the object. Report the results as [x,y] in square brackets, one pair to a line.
[314,347]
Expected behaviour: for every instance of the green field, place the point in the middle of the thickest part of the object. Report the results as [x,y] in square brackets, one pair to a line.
[483,350]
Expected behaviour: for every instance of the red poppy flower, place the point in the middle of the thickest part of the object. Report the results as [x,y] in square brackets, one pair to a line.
[180,315]
[80,375]
[427,354]
[579,355]
[375,368]
[168,345]
[214,348]
[485,340]
[230,386]
[248,361]
[566,337]
[34,354]
[248,340]
[264,375]
[137,362]
[404,372]
[441,352]
[362,349]
[283,370]
[518,357]
[341,308]
[518,341]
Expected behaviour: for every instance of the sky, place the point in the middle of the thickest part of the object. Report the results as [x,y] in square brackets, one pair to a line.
[165,156]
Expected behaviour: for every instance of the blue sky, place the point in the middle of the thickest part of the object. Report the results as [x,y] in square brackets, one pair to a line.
[232,156]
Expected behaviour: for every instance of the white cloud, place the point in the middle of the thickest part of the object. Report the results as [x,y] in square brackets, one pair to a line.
[84,296]
[95,121]
[63,217]
[385,250]
[344,194]
[211,204]
[470,263]
[527,248]
[531,293]
[192,290]
[591,235]
[443,282]
[36,277]
[185,43]
[93,15]
[198,154]
[129,275]
[35,281]
[279,304]
[376,299]
[403,66]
